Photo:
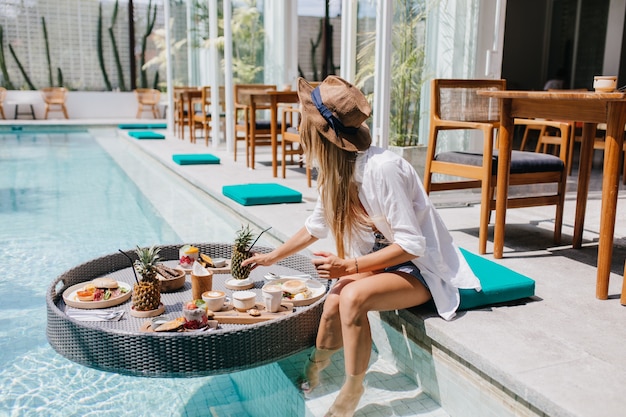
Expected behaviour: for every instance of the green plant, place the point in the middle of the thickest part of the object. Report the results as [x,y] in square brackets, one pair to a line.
[21,68]
[100,48]
[47,45]
[151,19]
[407,66]
[248,35]
[116,54]
[160,59]
[3,64]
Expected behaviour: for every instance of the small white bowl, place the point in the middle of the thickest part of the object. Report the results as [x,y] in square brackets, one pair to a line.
[605,84]
[244,300]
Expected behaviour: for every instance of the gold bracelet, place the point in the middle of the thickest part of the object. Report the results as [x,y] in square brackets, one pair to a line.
[356,265]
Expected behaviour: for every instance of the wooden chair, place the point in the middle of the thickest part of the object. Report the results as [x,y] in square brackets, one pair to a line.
[3,94]
[550,136]
[148,100]
[54,99]
[181,113]
[456,106]
[262,132]
[291,135]
[201,112]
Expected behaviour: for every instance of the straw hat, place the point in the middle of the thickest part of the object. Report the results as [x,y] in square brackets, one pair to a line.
[338,110]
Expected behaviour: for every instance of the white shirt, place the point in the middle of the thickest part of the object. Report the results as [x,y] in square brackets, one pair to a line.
[393,196]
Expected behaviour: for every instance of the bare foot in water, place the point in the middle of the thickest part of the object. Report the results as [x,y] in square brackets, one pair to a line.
[348,399]
[311,375]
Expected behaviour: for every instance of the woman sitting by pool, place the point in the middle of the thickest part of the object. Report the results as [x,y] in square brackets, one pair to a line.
[393,250]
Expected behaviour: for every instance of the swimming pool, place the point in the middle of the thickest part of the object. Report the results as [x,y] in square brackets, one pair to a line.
[62,193]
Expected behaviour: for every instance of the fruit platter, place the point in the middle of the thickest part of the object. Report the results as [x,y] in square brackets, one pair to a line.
[99,293]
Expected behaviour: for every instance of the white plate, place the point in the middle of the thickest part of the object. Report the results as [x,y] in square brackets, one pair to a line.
[69,296]
[302,277]
[239,282]
[317,291]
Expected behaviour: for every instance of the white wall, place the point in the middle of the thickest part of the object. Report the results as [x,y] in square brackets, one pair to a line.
[80,105]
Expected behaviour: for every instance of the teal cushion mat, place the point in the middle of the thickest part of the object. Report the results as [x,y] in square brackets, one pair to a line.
[142,126]
[145,134]
[500,284]
[195,159]
[262,193]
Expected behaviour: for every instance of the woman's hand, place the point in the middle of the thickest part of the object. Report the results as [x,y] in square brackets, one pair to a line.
[330,266]
[259,259]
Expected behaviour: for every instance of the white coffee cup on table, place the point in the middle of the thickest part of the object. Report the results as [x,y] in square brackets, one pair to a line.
[272,297]
[214,299]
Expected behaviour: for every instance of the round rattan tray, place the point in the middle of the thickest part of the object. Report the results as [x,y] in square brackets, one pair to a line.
[121,346]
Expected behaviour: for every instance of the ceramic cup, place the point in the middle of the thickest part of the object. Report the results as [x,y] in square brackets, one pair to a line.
[244,300]
[605,83]
[214,299]
[201,284]
[272,297]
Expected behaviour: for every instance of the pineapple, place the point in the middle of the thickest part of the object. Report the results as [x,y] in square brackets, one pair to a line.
[241,252]
[147,293]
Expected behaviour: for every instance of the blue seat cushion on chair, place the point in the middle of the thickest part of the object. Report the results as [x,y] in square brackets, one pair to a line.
[146,134]
[521,161]
[261,193]
[499,283]
[195,159]
[142,126]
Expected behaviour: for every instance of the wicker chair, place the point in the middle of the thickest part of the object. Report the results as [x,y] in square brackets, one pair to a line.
[456,106]
[148,100]
[54,99]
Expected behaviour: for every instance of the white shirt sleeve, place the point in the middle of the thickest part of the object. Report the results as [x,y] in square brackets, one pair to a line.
[316,224]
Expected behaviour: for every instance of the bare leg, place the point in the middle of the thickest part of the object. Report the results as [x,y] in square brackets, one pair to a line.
[328,341]
[380,292]
[348,397]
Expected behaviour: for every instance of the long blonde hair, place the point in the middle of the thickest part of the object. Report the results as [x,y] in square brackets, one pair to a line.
[335,182]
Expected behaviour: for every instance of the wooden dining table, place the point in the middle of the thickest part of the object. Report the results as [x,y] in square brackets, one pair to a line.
[590,108]
[263,100]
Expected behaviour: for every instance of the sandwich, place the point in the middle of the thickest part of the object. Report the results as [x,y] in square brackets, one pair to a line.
[99,289]
[105,283]
[294,289]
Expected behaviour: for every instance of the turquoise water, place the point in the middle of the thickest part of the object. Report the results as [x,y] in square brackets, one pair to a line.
[63,200]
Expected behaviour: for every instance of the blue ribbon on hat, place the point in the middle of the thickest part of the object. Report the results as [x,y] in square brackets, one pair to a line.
[334,122]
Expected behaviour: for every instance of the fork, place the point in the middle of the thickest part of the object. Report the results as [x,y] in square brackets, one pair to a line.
[96,315]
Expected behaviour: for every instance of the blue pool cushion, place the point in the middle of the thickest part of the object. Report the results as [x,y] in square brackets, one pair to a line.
[127,126]
[146,134]
[499,283]
[195,159]
[261,193]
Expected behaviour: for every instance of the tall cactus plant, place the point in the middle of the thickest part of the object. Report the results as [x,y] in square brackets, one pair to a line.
[47,45]
[3,63]
[151,19]
[21,68]
[116,54]
[100,49]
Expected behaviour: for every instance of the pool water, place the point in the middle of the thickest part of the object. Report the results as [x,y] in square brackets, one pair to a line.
[63,200]
[66,198]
